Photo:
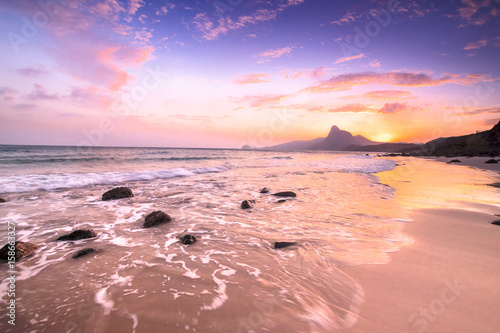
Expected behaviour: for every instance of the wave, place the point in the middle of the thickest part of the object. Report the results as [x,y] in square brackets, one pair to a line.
[33,182]
[32,160]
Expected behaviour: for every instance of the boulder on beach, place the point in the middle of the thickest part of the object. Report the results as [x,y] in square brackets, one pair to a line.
[265,190]
[117,193]
[491,161]
[281,201]
[188,239]
[155,218]
[455,161]
[21,249]
[497,222]
[247,204]
[78,234]
[83,252]
[285,194]
[280,245]
[3,200]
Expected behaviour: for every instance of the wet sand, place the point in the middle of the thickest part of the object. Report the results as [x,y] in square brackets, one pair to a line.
[448,280]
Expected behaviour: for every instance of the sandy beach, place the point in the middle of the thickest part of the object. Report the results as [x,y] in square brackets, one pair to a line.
[448,279]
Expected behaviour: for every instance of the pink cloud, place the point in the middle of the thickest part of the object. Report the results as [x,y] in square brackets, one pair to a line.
[39,92]
[273,54]
[344,59]
[374,63]
[478,12]
[8,93]
[392,108]
[345,82]
[476,45]
[252,79]
[388,94]
[32,71]
[211,29]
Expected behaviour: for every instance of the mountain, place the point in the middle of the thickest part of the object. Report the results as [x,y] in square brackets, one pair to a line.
[389,147]
[480,144]
[337,139]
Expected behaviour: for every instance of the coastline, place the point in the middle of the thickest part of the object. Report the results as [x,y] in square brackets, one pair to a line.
[447,280]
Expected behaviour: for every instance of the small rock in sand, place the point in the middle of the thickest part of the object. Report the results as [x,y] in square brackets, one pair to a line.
[455,161]
[77,235]
[247,204]
[188,239]
[156,218]
[280,245]
[117,193]
[3,200]
[265,190]
[285,194]
[83,252]
[497,222]
[21,249]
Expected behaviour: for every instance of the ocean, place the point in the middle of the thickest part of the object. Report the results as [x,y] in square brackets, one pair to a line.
[232,279]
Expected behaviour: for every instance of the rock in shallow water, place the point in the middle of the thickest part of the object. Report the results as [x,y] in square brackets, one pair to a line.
[265,190]
[3,200]
[83,252]
[285,194]
[117,193]
[280,245]
[497,222]
[22,249]
[188,239]
[155,218]
[455,161]
[247,204]
[77,235]
[491,161]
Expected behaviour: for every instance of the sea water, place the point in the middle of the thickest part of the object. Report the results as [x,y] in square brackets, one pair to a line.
[232,279]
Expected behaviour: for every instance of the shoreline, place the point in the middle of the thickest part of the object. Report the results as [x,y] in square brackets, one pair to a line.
[447,280]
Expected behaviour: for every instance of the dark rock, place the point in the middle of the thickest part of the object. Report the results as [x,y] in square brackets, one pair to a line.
[247,204]
[77,235]
[156,218]
[455,161]
[188,239]
[83,252]
[285,194]
[265,190]
[117,193]
[3,200]
[491,161]
[497,222]
[280,245]
[22,249]
[281,201]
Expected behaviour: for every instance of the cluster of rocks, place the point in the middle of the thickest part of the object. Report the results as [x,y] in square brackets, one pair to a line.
[23,249]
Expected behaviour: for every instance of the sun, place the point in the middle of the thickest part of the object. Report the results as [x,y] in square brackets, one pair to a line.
[383,137]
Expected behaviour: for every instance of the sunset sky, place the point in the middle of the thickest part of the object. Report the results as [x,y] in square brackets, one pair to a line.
[226,73]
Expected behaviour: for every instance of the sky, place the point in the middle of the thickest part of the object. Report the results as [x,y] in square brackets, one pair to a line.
[228,73]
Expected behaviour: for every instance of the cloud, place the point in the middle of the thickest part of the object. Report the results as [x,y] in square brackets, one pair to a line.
[348,17]
[261,100]
[392,108]
[476,45]
[211,29]
[345,82]
[32,71]
[268,55]
[165,9]
[353,108]
[24,106]
[252,79]
[39,92]
[388,94]
[475,111]
[478,12]
[8,93]
[374,63]
[344,59]
[80,48]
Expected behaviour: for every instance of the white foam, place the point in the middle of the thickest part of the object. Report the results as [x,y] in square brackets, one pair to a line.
[33,182]
[103,299]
